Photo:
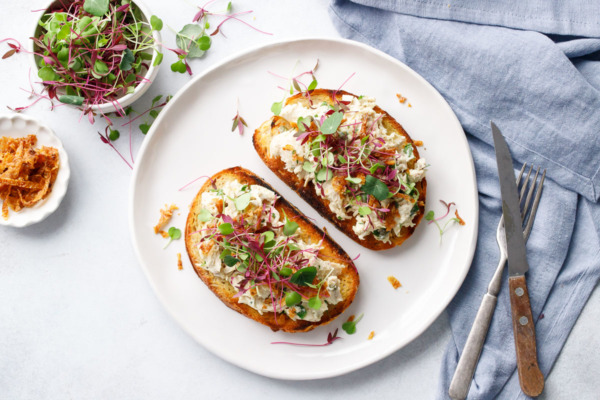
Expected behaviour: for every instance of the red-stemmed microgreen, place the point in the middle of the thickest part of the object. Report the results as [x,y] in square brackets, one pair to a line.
[105,138]
[193,40]
[265,253]
[111,133]
[92,52]
[430,216]
[296,85]
[14,47]
[331,337]
[349,153]
[238,121]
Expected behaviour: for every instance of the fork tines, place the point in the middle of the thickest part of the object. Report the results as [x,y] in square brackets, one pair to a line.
[534,186]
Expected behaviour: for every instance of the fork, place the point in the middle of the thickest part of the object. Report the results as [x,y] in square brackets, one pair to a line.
[461,381]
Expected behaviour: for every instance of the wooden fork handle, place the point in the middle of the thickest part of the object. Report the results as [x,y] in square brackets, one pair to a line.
[530,376]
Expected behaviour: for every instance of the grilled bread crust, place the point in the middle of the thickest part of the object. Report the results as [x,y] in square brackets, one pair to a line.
[308,232]
[262,141]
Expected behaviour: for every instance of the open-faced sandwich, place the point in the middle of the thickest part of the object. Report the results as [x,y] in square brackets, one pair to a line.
[265,259]
[351,161]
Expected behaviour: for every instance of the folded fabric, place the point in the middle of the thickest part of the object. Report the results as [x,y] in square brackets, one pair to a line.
[544,93]
[575,17]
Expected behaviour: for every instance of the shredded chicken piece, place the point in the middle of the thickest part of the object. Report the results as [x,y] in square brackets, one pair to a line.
[165,216]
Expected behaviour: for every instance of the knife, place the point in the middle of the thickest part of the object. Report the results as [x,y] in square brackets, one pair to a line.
[530,376]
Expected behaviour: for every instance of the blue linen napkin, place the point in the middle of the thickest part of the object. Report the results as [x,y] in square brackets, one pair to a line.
[535,71]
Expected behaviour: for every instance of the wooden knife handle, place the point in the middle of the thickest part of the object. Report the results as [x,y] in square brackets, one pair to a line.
[530,376]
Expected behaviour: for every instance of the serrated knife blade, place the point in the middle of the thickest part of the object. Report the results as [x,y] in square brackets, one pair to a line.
[513,223]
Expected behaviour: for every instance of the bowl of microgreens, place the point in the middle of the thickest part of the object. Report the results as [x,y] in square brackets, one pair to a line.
[101,55]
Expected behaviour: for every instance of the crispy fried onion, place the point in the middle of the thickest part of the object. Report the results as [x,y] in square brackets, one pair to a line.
[26,173]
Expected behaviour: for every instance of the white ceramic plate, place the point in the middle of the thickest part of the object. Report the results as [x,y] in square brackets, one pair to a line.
[18,125]
[192,137]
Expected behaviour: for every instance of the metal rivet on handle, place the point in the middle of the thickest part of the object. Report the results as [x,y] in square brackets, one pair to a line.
[519,291]
[523,320]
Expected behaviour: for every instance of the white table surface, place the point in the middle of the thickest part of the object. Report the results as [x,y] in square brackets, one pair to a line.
[78,318]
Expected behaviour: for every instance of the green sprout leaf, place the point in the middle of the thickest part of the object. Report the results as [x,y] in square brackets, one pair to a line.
[341,159]
[302,313]
[350,326]
[178,66]
[285,272]
[430,216]
[290,228]
[159,58]
[303,123]
[269,236]
[230,260]
[276,107]
[47,74]
[376,188]
[144,128]
[204,215]
[308,166]
[114,135]
[192,40]
[314,303]
[364,210]
[100,67]
[96,7]
[174,234]
[292,298]
[356,181]
[324,174]
[126,60]
[375,167]
[312,85]
[226,229]
[156,23]
[70,99]
[332,123]
[242,201]
[304,276]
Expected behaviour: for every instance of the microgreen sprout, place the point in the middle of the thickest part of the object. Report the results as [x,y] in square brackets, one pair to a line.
[297,85]
[238,121]
[111,134]
[194,40]
[348,152]
[350,325]
[430,216]
[153,112]
[174,234]
[94,51]
[266,253]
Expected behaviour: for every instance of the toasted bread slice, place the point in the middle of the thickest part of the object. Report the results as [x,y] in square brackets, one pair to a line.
[275,125]
[307,232]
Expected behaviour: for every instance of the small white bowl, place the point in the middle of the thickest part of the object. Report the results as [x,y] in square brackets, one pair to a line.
[17,125]
[128,99]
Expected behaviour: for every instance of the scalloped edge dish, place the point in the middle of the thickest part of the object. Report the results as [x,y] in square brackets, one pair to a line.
[18,126]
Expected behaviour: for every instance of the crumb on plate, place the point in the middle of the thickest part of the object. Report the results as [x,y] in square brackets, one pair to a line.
[179,263]
[401,98]
[395,282]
